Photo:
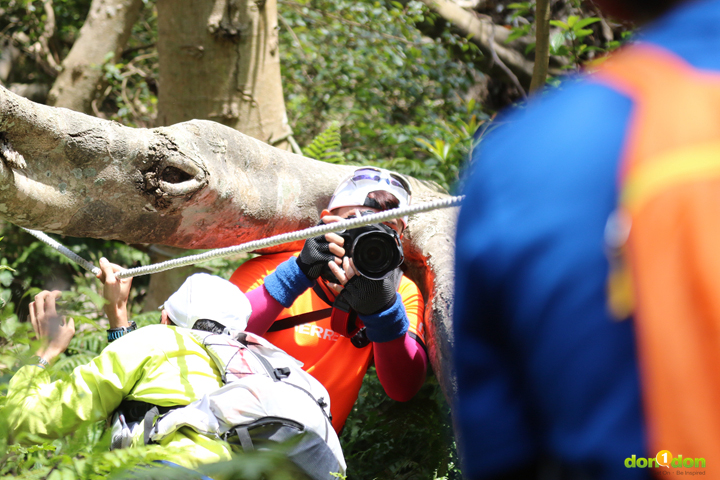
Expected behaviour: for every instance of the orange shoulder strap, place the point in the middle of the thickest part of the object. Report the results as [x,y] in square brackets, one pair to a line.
[669,183]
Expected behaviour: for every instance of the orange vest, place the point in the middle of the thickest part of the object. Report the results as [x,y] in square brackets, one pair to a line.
[328,356]
[670,192]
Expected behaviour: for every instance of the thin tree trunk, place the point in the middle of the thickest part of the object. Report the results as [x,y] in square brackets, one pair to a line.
[220,61]
[542,44]
[197,184]
[105,31]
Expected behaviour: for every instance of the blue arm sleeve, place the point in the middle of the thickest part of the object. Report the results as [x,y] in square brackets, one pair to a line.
[287,282]
[387,325]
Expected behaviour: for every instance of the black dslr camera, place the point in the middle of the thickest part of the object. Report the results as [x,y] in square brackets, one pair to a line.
[375,250]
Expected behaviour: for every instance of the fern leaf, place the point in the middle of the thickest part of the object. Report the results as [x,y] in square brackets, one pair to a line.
[326,147]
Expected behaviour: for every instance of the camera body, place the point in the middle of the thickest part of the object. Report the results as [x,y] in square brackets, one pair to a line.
[375,249]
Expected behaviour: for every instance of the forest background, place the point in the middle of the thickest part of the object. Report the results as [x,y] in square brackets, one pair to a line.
[407,85]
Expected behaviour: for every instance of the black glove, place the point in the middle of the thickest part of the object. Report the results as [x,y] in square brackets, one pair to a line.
[315,256]
[368,297]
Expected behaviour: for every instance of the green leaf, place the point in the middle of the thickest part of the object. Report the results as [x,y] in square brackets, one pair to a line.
[9,326]
[557,41]
[327,145]
[585,22]
[94,296]
[582,33]
[518,32]
[560,24]
[6,277]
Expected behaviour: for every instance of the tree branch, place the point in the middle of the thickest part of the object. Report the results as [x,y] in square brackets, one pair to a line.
[488,37]
[196,184]
[513,78]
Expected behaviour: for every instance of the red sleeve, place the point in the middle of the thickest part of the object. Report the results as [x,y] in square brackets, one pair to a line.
[265,309]
[401,367]
[401,364]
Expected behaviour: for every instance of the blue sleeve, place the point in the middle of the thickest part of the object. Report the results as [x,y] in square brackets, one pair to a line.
[287,282]
[547,172]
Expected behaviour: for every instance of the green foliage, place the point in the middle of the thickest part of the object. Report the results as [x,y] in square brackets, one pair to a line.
[568,41]
[571,40]
[83,455]
[39,266]
[365,65]
[130,93]
[521,25]
[401,440]
[25,21]
[451,147]
[326,146]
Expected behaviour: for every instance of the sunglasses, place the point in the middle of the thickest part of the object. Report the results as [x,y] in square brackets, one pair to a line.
[376,175]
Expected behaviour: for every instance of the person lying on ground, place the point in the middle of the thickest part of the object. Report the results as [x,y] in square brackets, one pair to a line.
[182,362]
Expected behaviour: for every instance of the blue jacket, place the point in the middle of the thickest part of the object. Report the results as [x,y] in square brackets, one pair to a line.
[544,373]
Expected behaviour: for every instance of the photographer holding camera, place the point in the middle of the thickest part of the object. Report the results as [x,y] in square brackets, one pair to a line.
[343,302]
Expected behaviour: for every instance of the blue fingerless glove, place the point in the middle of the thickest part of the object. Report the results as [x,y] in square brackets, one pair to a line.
[388,324]
[287,282]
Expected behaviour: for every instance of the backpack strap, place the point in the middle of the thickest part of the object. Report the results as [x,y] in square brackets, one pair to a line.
[665,263]
[244,438]
[276,374]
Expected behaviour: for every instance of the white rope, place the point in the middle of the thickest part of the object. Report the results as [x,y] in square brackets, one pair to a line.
[258,244]
[64,250]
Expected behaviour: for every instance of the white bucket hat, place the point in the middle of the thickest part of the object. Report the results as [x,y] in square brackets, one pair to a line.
[209,297]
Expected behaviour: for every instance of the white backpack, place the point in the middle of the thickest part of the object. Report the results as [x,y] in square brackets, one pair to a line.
[267,397]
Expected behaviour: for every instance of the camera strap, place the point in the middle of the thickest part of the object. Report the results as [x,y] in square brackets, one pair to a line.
[294,321]
[303,318]
[343,319]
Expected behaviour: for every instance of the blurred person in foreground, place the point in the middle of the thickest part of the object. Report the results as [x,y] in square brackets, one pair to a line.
[196,384]
[295,295]
[587,312]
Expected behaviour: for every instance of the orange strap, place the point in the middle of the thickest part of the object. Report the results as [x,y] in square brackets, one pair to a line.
[670,190]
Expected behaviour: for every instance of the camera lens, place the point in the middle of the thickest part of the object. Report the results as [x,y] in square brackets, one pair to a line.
[375,254]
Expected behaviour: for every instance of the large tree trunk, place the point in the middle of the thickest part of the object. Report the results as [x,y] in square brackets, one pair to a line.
[219,61]
[106,30]
[196,184]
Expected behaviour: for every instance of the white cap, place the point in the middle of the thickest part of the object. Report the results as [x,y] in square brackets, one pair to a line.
[354,190]
[209,297]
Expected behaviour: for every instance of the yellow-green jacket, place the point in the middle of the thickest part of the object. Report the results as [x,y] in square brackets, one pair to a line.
[158,364]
